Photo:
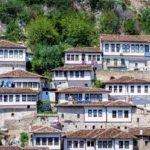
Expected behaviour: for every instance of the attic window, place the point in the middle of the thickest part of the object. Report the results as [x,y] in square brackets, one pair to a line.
[12,114]
[28,106]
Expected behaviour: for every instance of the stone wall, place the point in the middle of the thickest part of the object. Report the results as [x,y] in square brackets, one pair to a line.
[104,75]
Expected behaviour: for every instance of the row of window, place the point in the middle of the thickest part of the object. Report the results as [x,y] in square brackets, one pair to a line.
[11,54]
[127,48]
[10,98]
[27,84]
[77,74]
[101,144]
[47,141]
[123,63]
[76,57]
[116,89]
[95,113]
[87,97]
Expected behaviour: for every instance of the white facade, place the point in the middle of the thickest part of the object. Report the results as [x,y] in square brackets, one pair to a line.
[48,95]
[108,114]
[98,144]
[51,140]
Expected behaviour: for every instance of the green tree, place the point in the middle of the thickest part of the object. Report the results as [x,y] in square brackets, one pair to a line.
[129,27]
[42,30]
[24,138]
[45,58]
[98,84]
[109,22]
[14,32]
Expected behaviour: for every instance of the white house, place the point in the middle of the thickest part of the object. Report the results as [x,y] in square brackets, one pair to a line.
[113,139]
[125,52]
[83,56]
[12,56]
[45,136]
[129,89]
[82,94]
[67,76]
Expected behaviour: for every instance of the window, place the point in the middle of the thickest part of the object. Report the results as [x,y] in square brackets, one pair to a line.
[60,74]
[106,47]
[146,143]
[0,98]
[120,89]
[120,114]
[118,47]
[1,53]
[90,143]
[126,144]
[80,97]
[21,54]
[71,74]
[100,97]
[30,85]
[50,141]
[72,57]
[146,48]
[66,96]
[93,127]
[139,89]
[16,54]
[82,74]
[62,115]
[124,48]
[34,84]
[132,89]
[43,141]
[122,62]
[33,98]
[109,144]
[132,48]
[115,62]
[10,54]
[137,48]
[24,84]
[114,113]
[115,89]
[95,113]
[65,73]
[23,98]
[98,57]
[38,141]
[29,98]
[10,98]
[128,48]
[146,89]
[100,144]
[112,47]
[77,74]
[17,98]
[69,144]
[5,98]
[68,57]
[87,97]
[99,113]
[104,144]
[76,97]
[81,144]
[75,144]
[141,48]
[126,113]
[6,54]
[120,144]
[56,141]
[89,58]
[138,120]
[77,57]
[78,115]
[89,113]
[110,88]
[107,61]
[18,84]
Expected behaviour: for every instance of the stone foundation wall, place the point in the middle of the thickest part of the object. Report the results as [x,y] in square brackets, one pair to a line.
[104,75]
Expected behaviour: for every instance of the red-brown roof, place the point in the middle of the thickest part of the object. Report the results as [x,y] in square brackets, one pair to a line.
[84,50]
[78,89]
[140,131]
[17,91]
[111,133]
[8,44]
[20,148]
[125,38]
[35,148]
[97,104]
[74,68]
[20,74]
[44,129]
[127,80]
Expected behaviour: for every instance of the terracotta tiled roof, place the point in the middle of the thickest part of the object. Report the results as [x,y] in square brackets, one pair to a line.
[35,148]
[20,74]
[125,38]
[74,68]
[77,89]
[84,50]
[44,129]
[17,91]
[136,131]
[111,133]
[127,80]
[8,44]
[97,104]
[10,148]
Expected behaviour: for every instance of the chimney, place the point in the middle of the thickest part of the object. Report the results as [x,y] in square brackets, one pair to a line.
[141,132]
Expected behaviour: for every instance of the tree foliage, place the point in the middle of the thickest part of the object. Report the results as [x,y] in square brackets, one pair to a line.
[24,138]
[98,84]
